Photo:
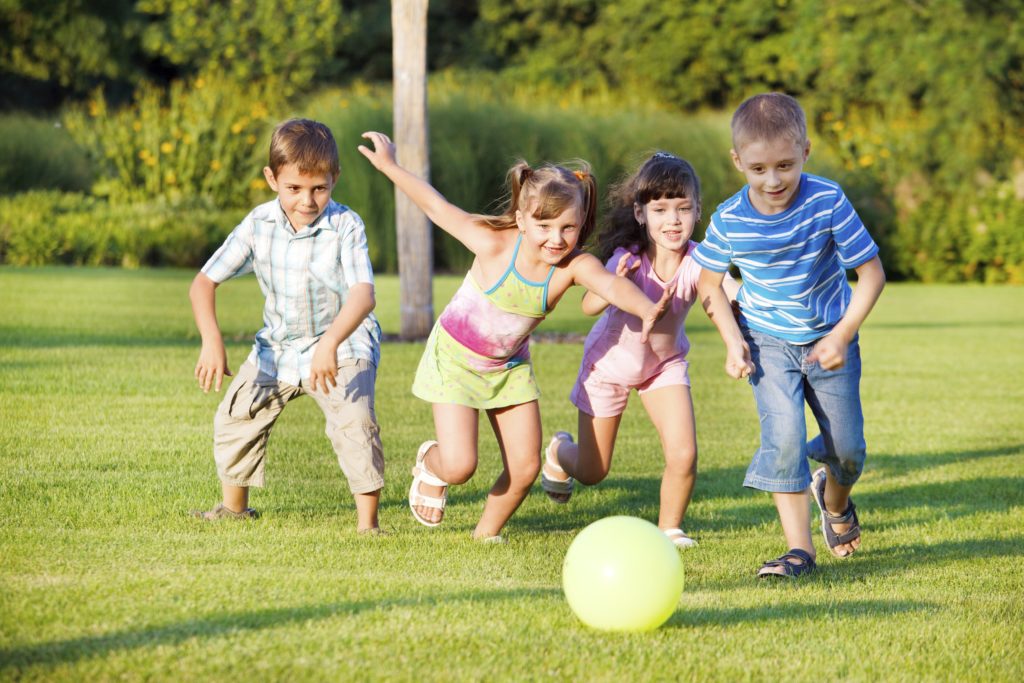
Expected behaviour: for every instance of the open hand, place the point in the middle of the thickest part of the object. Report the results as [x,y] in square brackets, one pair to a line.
[656,310]
[624,267]
[383,152]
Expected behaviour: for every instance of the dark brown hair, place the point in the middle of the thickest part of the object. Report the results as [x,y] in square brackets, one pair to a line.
[662,176]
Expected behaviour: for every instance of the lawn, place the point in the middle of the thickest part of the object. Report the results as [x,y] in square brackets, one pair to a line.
[105,446]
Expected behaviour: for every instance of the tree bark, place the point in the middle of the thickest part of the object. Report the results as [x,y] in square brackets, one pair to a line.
[415,244]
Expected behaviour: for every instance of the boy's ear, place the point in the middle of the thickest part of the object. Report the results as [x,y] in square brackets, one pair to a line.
[736,160]
[807,149]
[271,180]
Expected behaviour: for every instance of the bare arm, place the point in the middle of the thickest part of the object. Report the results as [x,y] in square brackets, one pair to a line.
[830,350]
[588,272]
[212,365]
[716,304]
[324,366]
[592,304]
[445,215]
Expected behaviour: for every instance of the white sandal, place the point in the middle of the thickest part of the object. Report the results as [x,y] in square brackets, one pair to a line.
[421,475]
[556,488]
[679,538]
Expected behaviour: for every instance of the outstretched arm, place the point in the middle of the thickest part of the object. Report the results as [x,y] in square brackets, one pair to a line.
[592,304]
[212,365]
[442,213]
[716,305]
[588,272]
[830,350]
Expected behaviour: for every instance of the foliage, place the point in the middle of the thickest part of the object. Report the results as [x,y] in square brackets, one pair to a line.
[205,138]
[106,446]
[42,228]
[70,43]
[475,139]
[284,42]
[39,154]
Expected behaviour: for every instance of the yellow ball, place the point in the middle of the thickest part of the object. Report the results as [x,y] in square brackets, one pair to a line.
[622,574]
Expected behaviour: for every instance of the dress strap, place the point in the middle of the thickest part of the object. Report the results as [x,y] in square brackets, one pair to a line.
[511,266]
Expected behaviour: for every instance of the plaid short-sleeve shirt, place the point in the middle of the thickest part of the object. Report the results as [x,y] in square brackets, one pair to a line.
[305,276]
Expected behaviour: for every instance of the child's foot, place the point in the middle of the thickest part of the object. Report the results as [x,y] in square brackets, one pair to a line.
[679,538]
[497,539]
[221,512]
[553,479]
[841,531]
[428,494]
[794,564]
[372,531]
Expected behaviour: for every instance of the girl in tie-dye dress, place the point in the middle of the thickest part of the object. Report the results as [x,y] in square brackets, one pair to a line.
[478,356]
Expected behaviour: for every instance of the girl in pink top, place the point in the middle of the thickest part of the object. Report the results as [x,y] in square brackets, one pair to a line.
[477,357]
[647,240]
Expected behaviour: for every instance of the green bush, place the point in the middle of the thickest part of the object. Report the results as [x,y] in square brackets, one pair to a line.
[41,228]
[205,138]
[38,154]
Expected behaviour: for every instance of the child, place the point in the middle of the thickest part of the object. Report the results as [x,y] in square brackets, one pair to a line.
[478,356]
[319,335]
[793,236]
[653,215]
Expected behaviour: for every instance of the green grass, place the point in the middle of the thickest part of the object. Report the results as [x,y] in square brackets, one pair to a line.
[105,444]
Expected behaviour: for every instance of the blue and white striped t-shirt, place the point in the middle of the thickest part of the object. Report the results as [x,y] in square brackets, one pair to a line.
[305,276]
[793,264]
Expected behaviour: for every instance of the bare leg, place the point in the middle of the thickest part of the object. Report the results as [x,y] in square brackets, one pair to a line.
[366,510]
[454,458]
[589,460]
[795,515]
[836,499]
[519,433]
[236,498]
[671,411]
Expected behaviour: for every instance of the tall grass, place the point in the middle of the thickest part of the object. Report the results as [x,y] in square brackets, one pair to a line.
[38,154]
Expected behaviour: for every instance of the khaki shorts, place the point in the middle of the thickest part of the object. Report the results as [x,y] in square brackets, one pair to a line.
[253,403]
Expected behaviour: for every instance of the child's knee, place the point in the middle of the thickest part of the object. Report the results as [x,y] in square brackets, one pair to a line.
[681,461]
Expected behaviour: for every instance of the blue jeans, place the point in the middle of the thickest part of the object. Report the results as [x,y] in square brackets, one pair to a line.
[782,381]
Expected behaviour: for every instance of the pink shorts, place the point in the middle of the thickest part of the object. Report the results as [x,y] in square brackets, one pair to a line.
[598,394]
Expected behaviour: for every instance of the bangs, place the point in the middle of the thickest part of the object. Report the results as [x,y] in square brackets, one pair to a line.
[666,181]
[553,201]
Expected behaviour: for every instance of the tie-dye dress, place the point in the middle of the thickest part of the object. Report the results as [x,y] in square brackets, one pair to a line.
[478,353]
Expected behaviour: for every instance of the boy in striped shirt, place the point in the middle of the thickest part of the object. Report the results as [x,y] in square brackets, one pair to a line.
[793,236]
[319,334]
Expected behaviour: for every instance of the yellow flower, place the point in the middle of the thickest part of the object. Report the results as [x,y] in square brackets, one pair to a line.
[136,126]
[838,125]
[150,161]
[237,127]
[866,160]
[170,178]
[215,165]
[884,153]
[256,183]
[200,83]
[167,147]
[251,139]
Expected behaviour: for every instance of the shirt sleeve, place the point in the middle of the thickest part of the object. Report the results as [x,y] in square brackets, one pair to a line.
[853,241]
[715,252]
[234,257]
[355,253]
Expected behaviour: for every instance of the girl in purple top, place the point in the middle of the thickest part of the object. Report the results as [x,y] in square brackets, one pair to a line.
[477,356]
[647,240]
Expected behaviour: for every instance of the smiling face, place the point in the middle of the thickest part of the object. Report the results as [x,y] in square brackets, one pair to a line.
[551,238]
[303,196]
[669,222]
[772,169]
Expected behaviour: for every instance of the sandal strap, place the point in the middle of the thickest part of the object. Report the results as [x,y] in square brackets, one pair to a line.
[423,500]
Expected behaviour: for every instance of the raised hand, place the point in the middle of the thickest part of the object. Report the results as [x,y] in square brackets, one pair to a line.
[383,152]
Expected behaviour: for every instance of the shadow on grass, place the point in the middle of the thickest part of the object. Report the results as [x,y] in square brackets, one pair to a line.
[63,651]
[868,609]
[889,464]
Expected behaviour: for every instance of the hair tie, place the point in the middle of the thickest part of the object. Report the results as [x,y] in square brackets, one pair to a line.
[663,155]
[580,175]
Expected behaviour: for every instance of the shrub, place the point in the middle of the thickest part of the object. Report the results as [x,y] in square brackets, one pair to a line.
[41,228]
[204,138]
[38,154]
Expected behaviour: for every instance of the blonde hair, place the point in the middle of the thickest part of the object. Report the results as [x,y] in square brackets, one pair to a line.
[307,144]
[768,116]
[545,192]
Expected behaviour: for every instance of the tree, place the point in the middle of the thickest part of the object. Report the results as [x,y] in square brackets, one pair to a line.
[415,250]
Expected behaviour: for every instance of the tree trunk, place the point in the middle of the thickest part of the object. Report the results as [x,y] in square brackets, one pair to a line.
[415,247]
